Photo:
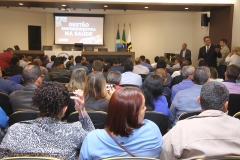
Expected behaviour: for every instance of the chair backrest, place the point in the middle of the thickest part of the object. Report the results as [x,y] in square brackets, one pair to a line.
[102,50]
[47,48]
[61,79]
[98,118]
[185,115]
[22,116]
[219,158]
[88,48]
[159,119]
[233,104]
[237,115]
[143,76]
[130,158]
[128,85]
[5,103]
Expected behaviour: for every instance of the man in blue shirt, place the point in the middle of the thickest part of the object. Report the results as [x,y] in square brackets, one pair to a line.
[186,100]
[187,82]
[146,64]
[79,61]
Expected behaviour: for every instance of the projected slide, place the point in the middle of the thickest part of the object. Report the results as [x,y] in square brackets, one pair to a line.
[86,30]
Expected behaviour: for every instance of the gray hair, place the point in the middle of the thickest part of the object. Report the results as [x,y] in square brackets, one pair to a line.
[114,77]
[201,75]
[213,95]
[31,73]
[187,71]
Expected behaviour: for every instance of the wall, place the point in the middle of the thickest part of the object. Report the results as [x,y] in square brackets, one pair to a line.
[236,24]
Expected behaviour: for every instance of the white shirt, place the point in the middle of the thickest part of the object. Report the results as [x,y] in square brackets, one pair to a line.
[183,53]
[207,47]
[234,59]
[176,73]
[140,69]
[23,63]
[131,78]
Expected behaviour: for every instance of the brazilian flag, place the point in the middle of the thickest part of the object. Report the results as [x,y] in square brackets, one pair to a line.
[123,42]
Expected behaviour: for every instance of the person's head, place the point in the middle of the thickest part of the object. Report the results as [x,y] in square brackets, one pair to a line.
[37,62]
[10,50]
[32,74]
[184,46]
[201,75]
[116,61]
[214,73]
[78,59]
[95,86]
[58,62]
[128,66]
[223,42]
[91,59]
[156,59]
[232,72]
[126,111]
[22,57]
[97,66]
[214,96]
[71,58]
[177,61]
[15,60]
[236,50]
[51,99]
[161,63]
[185,62]
[143,58]
[84,60]
[187,72]
[53,58]
[152,88]
[162,73]
[77,80]
[202,63]
[207,40]
[100,58]
[138,61]
[106,67]
[147,61]
[114,77]
[46,58]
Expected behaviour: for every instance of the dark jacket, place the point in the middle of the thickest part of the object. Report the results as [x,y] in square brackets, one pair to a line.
[59,73]
[13,70]
[187,55]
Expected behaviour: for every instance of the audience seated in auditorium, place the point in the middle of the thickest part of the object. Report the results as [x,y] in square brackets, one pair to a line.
[128,77]
[58,70]
[125,124]
[79,60]
[202,62]
[84,61]
[49,65]
[5,58]
[231,75]
[47,134]
[3,121]
[214,75]
[39,63]
[152,90]
[45,61]
[154,65]
[186,100]
[114,78]
[22,61]
[90,63]
[211,133]
[70,62]
[162,64]
[117,65]
[95,92]
[97,66]
[146,64]
[177,64]
[77,80]
[163,74]
[106,69]
[234,57]
[7,86]
[21,99]
[139,68]
[187,82]
[177,72]
[14,68]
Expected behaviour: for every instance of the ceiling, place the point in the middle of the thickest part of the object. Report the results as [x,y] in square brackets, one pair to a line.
[104,7]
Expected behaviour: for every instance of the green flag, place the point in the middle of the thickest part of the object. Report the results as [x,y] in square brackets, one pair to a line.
[123,42]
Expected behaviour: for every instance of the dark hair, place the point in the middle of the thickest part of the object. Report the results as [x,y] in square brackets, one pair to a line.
[213,95]
[114,77]
[147,61]
[116,60]
[214,73]
[201,75]
[57,62]
[97,66]
[21,57]
[205,37]
[123,110]
[14,60]
[224,41]
[161,64]
[156,59]
[50,98]
[78,59]
[9,49]
[185,62]
[53,57]
[232,72]
[142,57]
[45,57]
[99,58]
[31,73]
[91,59]
[106,67]
[128,66]
[202,63]
[70,57]
[152,89]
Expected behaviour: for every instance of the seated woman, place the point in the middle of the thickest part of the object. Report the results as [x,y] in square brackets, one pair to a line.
[77,80]
[47,135]
[114,78]
[214,75]
[95,92]
[152,89]
[125,126]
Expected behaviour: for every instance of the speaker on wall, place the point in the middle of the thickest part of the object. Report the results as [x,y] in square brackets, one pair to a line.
[204,20]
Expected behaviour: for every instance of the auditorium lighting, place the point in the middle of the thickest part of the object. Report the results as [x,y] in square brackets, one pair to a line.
[145,7]
[64,5]
[186,8]
[20,4]
[105,6]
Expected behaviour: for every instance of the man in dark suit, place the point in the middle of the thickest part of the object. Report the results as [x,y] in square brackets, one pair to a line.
[209,52]
[186,53]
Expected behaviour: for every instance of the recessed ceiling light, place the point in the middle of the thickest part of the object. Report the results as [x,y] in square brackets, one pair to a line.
[64,5]
[186,8]
[20,4]
[105,6]
[145,7]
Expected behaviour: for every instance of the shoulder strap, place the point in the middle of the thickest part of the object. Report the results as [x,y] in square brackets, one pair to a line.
[119,144]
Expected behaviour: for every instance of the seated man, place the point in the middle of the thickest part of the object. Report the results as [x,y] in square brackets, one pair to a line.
[79,61]
[70,62]
[186,100]
[38,62]
[231,75]
[146,64]
[162,64]
[45,61]
[90,63]
[97,66]
[58,70]
[117,65]
[5,58]
[163,74]
[128,77]
[49,65]
[140,68]
[14,68]
[21,99]
[211,133]
[22,61]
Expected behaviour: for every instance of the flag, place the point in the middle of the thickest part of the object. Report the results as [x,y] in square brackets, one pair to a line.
[118,44]
[129,41]
[123,42]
